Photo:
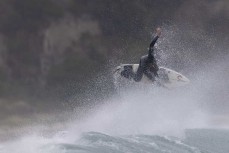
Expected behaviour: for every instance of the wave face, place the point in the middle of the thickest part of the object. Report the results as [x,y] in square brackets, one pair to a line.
[196,141]
[93,142]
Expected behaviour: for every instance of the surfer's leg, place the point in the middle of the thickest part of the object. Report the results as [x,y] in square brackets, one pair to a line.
[150,75]
[127,72]
[138,75]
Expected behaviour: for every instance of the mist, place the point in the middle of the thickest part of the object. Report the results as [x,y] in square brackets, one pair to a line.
[56,69]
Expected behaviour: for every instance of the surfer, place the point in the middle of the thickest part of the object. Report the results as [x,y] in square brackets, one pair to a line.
[148,64]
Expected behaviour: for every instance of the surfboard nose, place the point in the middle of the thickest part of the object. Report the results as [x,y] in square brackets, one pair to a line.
[184,79]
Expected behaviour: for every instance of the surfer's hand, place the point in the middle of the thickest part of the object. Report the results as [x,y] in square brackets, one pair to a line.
[158,31]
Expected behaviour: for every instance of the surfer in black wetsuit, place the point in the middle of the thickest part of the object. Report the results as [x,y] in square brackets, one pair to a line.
[148,64]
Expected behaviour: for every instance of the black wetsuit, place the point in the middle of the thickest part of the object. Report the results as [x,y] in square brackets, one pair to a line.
[148,64]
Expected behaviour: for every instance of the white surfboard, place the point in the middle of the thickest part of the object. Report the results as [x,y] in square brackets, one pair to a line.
[167,77]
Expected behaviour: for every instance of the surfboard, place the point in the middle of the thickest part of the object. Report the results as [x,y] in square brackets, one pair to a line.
[166,77]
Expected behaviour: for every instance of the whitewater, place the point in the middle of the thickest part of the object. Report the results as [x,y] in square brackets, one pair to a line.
[137,120]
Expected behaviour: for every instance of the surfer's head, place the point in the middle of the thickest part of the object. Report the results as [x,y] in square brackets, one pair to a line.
[158,31]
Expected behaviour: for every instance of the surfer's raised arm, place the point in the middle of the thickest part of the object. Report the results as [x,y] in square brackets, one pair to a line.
[158,34]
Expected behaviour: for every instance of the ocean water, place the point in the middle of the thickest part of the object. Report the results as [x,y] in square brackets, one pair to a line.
[196,141]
